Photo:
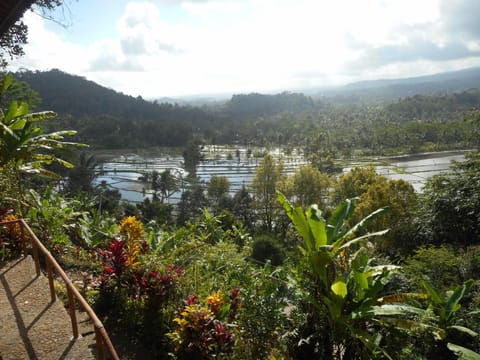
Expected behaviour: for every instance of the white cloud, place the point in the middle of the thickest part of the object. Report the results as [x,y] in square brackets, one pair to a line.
[215,46]
[46,50]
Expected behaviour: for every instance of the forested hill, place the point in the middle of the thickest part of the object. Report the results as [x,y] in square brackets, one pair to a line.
[254,105]
[442,107]
[108,119]
[77,96]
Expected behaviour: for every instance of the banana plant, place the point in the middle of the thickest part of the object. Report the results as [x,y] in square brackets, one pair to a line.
[22,142]
[348,292]
[445,306]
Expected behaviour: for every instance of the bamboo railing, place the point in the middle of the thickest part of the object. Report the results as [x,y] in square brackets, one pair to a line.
[103,341]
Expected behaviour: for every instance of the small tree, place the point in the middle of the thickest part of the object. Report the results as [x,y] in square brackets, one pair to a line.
[264,186]
[307,186]
[217,191]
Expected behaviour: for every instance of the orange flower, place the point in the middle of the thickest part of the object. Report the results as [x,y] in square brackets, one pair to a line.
[15,229]
[215,301]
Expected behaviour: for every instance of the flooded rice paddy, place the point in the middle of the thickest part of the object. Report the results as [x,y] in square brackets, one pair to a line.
[238,164]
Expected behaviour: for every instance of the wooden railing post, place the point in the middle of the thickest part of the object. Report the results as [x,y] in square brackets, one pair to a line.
[53,295]
[99,343]
[36,258]
[73,315]
[24,241]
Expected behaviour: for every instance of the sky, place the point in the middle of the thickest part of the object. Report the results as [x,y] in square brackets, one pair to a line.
[175,48]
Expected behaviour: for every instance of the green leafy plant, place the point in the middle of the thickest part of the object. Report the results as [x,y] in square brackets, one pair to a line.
[345,292]
[54,217]
[445,307]
[23,143]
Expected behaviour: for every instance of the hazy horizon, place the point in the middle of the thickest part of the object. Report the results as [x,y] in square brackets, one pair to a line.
[194,48]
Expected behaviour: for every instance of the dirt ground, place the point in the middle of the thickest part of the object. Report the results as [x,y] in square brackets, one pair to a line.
[31,326]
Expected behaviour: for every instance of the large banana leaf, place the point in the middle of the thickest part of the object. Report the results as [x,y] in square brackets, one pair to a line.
[463,353]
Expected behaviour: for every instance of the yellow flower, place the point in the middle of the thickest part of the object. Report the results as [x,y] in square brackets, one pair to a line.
[132,229]
[215,301]
[133,232]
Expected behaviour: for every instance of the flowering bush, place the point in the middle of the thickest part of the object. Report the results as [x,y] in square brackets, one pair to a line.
[158,284]
[200,332]
[11,235]
[115,260]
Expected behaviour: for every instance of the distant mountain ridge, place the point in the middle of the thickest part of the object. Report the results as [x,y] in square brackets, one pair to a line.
[386,90]
[465,75]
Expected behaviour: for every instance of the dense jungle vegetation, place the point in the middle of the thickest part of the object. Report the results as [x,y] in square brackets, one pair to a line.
[315,265]
[104,118]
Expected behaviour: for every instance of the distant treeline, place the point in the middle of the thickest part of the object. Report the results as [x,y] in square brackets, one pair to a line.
[105,118]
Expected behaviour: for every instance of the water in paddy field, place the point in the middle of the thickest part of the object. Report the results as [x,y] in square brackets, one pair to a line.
[238,164]
[416,169]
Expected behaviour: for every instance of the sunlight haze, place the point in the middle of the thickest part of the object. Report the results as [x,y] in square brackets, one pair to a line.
[180,48]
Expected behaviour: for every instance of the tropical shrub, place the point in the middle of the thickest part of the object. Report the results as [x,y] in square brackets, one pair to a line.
[446,325]
[200,332]
[21,139]
[263,320]
[449,207]
[11,235]
[440,266]
[54,218]
[342,293]
[266,248]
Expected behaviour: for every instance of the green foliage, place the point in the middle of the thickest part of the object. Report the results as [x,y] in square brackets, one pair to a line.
[242,207]
[81,176]
[21,140]
[53,216]
[263,317]
[264,186]
[155,210]
[191,204]
[449,208]
[440,266]
[191,157]
[346,287]
[445,306]
[255,105]
[19,91]
[463,353]
[163,185]
[282,119]
[307,186]
[266,248]
[399,197]
[355,183]
[217,191]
